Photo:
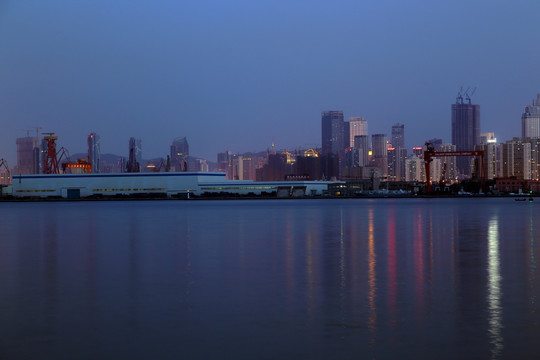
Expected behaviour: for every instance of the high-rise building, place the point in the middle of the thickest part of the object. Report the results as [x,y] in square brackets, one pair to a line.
[380,152]
[94,154]
[448,163]
[179,154]
[398,136]
[361,142]
[535,158]
[358,126]
[490,159]
[465,130]
[332,132]
[27,163]
[516,159]
[135,156]
[530,120]
[396,163]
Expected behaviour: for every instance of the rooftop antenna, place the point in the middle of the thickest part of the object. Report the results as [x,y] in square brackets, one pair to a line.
[37,130]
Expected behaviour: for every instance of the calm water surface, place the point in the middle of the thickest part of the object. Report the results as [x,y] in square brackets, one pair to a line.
[270,279]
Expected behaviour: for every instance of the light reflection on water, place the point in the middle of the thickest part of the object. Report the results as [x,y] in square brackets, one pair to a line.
[381,278]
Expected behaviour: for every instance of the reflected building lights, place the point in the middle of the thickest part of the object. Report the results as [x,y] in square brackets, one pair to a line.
[372,278]
[494,289]
[532,264]
[392,269]
[419,262]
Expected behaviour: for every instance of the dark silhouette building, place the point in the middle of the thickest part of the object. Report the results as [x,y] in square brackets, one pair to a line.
[332,131]
[179,154]
[465,130]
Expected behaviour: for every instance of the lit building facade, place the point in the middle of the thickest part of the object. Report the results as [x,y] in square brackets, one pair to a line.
[515,159]
[490,159]
[358,126]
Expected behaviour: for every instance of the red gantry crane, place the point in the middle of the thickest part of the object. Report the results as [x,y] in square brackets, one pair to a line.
[430,153]
[52,160]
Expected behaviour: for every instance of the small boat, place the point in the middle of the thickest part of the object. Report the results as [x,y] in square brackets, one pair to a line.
[520,199]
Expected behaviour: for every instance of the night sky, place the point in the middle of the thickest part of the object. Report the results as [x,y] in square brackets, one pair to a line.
[238,75]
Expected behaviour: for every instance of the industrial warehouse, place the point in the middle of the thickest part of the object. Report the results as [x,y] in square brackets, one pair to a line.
[172,185]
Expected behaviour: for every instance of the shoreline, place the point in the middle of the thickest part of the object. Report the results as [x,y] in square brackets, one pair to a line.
[202,198]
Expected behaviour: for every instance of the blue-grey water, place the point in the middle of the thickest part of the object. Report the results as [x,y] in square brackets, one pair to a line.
[270,279]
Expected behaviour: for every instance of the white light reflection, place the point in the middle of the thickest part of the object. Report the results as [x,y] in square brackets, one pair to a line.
[494,289]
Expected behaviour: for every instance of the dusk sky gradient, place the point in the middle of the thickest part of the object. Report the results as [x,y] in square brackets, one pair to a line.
[238,75]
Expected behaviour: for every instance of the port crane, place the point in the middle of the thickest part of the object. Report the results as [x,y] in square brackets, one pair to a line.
[52,159]
[430,153]
[4,164]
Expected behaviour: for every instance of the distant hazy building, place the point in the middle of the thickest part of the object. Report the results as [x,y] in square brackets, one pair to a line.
[28,155]
[332,132]
[94,153]
[134,162]
[436,143]
[465,130]
[530,120]
[179,154]
[358,126]
[243,168]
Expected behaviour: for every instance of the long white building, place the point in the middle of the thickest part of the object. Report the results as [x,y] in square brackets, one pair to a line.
[74,186]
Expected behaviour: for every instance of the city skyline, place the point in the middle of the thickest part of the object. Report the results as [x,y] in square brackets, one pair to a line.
[243,76]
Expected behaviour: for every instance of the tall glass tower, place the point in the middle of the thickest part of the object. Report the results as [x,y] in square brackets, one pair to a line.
[94,154]
[465,130]
[180,153]
[332,132]
[398,136]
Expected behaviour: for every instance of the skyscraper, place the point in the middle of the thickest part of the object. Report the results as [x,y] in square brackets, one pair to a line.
[361,142]
[398,136]
[332,132]
[179,154]
[357,126]
[465,130]
[94,154]
[380,152]
[135,155]
[530,120]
